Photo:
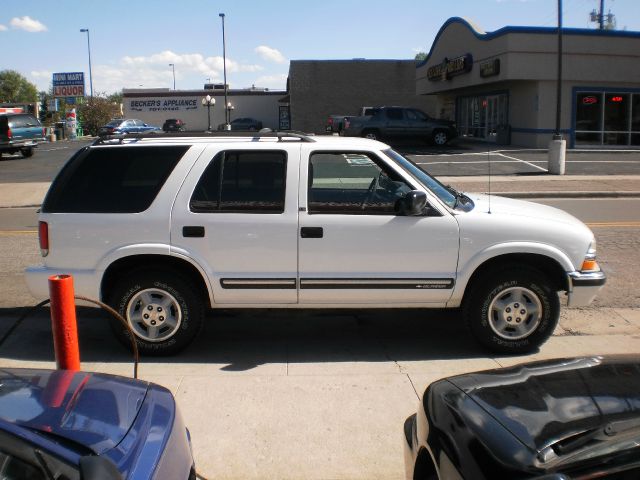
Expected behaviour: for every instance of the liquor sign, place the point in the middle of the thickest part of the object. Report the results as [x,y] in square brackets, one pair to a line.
[69,84]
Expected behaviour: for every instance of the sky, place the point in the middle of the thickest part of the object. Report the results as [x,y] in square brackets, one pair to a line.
[132,42]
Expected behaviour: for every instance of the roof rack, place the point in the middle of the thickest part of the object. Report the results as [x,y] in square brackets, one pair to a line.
[264,133]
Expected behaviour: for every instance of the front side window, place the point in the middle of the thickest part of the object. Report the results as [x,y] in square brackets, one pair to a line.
[394,113]
[353,183]
[242,182]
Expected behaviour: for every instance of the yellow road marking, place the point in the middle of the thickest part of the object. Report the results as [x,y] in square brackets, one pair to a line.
[7,233]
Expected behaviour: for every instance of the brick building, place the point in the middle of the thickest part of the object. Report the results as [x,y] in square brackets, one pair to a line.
[319,88]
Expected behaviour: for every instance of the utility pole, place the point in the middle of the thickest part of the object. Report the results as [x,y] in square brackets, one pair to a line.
[599,17]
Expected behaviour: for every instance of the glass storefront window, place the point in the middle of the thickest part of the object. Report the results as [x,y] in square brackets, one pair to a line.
[616,112]
[607,118]
[589,112]
[482,116]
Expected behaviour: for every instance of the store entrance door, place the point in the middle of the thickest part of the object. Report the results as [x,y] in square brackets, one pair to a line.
[493,118]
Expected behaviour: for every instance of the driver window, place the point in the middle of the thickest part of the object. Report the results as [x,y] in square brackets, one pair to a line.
[353,183]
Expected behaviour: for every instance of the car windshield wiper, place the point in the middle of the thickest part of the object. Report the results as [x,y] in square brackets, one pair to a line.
[603,434]
[461,198]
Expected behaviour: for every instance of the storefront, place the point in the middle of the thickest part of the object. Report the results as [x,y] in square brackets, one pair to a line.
[502,86]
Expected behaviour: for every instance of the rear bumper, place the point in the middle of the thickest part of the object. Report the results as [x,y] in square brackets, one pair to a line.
[16,145]
[584,286]
[86,283]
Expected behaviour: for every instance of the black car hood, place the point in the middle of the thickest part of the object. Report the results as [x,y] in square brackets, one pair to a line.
[542,403]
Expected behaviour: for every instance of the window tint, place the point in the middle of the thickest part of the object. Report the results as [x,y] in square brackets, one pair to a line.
[112,179]
[394,113]
[243,182]
[416,115]
[354,184]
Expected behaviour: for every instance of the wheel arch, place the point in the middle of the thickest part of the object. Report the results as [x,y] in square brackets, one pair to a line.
[153,262]
[548,266]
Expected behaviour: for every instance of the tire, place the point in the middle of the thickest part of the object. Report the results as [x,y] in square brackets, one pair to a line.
[513,310]
[26,152]
[371,134]
[167,299]
[440,137]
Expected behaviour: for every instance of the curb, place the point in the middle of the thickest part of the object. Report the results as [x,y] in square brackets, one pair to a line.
[567,194]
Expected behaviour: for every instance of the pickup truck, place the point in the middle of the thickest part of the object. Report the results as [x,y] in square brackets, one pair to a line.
[335,123]
[388,122]
[164,226]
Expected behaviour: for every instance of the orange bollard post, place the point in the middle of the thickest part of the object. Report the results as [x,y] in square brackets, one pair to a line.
[63,322]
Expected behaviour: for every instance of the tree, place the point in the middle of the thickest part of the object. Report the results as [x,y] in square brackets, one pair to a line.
[97,112]
[15,88]
[421,57]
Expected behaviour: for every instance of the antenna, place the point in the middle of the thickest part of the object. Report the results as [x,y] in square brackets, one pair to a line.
[489,166]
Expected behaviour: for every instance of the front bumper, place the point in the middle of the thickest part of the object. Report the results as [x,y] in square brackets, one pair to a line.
[584,286]
[410,454]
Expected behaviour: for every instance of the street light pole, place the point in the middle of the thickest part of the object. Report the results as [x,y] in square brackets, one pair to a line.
[208,102]
[224,67]
[173,67]
[83,30]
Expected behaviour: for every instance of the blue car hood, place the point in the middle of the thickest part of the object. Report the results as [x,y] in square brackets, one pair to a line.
[95,410]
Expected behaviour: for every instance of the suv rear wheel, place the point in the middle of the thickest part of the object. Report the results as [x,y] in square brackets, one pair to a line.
[513,310]
[27,152]
[162,308]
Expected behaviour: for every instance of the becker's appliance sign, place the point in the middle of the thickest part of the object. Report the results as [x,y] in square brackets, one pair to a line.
[163,104]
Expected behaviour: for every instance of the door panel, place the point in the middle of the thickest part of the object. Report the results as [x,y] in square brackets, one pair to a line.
[249,217]
[368,254]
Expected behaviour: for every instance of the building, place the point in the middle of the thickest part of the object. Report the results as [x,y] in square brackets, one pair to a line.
[319,88]
[502,86]
[156,105]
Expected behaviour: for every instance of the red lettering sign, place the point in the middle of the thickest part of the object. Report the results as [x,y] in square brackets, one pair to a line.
[590,100]
[616,99]
[68,91]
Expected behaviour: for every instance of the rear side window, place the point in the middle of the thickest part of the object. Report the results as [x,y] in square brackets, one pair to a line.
[243,182]
[112,179]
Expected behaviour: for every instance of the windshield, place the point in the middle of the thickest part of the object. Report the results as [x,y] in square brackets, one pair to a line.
[437,188]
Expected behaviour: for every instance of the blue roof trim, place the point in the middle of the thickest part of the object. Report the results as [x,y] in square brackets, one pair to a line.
[540,30]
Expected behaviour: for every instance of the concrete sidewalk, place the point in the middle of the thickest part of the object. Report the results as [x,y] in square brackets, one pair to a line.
[516,186]
[314,395]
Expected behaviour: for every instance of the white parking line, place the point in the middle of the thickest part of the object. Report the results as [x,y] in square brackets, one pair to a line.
[523,161]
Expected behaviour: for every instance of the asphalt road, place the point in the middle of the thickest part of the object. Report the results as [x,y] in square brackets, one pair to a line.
[458,159]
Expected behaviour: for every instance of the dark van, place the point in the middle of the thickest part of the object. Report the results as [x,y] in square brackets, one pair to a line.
[20,132]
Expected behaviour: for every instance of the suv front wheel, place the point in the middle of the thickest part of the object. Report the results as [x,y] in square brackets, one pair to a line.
[513,310]
[163,310]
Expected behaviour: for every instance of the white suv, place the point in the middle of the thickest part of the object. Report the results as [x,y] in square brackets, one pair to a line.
[164,227]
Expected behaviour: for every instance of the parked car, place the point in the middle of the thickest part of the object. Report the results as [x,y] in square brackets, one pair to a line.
[75,425]
[20,132]
[130,125]
[573,418]
[395,122]
[290,220]
[245,123]
[336,123]
[173,125]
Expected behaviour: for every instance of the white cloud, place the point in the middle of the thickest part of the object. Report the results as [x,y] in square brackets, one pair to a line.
[270,54]
[274,82]
[3,28]
[28,24]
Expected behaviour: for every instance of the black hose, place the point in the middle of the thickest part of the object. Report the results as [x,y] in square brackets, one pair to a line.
[134,344]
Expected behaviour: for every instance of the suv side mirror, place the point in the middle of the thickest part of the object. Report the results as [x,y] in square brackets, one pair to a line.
[412,203]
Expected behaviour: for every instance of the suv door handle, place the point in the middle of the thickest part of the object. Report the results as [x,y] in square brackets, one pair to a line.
[311,232]
[193,231]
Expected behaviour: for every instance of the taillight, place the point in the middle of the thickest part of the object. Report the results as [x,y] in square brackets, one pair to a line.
[43,236]
[330,121]
[346,123]
[44,132]
[9,133]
